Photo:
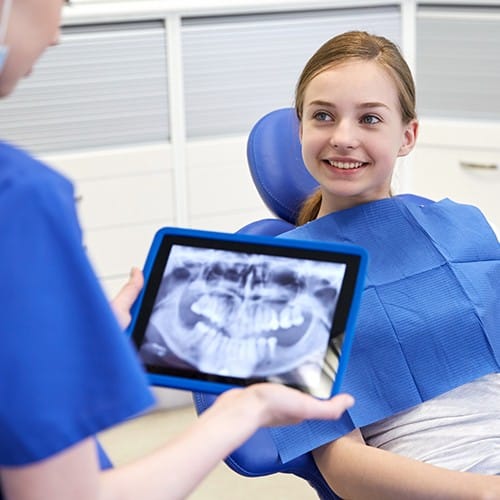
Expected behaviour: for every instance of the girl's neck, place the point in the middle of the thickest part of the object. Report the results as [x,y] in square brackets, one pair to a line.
[346,203]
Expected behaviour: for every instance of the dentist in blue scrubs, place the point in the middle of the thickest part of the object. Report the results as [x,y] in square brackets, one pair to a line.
[67,371]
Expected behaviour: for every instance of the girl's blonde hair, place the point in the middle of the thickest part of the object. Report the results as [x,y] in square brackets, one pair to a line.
[355,46]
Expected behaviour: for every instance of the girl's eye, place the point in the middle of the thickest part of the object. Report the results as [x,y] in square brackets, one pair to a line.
[321,116]
[370,119]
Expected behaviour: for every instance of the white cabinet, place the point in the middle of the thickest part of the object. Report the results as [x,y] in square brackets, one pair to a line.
[467,175]
[458,95]
[123,197]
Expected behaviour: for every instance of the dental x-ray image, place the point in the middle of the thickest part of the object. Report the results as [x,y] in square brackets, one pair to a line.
[244,315]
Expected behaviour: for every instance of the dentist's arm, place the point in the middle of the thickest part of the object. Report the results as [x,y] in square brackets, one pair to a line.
[177,467]
[181,465]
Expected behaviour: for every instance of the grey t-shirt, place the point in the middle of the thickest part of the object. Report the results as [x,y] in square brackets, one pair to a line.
[459,430]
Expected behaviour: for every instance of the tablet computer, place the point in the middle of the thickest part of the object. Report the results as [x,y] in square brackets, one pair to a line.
[220,310]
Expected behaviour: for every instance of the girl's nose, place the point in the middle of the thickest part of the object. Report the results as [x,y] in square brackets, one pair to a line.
[343,135]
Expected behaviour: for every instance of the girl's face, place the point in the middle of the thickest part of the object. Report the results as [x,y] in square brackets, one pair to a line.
[352,132]
[33,25]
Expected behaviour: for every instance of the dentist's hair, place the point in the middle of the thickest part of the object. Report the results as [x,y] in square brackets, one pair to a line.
[348,47]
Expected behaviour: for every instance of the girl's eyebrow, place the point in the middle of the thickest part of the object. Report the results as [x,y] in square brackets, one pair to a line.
[363,105]
[319,102]
[373,105]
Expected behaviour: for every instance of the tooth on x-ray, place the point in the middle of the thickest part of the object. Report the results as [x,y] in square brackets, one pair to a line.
[245,315]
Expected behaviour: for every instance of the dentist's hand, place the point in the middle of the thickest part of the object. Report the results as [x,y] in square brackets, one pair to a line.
[125,298]
[274,404]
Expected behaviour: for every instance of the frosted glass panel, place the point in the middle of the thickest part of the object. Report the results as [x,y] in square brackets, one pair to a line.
[104,85]
[458,62]
[237,68]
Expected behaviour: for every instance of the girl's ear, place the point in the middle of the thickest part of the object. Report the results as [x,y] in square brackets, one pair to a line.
[409,138]
[300,132]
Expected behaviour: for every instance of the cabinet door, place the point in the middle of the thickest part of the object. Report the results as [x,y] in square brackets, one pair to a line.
[465,175]
[123,197]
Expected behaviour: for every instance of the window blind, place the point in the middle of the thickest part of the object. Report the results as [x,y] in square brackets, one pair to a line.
[458,62]
[103,85]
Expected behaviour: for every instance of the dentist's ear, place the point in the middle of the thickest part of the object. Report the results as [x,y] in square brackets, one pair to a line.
[409,138]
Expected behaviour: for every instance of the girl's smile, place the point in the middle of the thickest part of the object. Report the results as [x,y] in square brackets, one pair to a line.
[344,166]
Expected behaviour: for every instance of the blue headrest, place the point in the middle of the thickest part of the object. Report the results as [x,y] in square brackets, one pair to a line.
[275,160]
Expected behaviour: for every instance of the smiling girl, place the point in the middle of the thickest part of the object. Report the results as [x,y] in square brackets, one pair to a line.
[425,362]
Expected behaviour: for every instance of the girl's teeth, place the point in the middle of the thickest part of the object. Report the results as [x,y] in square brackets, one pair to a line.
[345,165]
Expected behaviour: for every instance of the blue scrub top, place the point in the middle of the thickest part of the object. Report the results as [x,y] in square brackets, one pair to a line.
[67,371]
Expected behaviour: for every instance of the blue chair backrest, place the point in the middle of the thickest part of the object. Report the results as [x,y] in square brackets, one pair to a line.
[275,161]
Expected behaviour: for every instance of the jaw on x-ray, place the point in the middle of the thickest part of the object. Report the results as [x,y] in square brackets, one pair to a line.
[243,315]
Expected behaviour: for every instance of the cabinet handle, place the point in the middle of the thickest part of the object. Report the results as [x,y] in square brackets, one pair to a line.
[479,166]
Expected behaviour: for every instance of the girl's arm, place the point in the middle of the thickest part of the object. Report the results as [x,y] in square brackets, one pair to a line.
[357,471]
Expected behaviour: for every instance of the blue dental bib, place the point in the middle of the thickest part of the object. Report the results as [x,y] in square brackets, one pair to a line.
[429,314]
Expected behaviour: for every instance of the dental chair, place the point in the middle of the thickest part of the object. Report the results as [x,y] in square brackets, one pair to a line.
[275,162]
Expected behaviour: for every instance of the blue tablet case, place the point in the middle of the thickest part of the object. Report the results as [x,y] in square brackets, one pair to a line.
[220,310]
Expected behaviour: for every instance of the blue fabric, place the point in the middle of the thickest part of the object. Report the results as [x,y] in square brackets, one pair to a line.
[429,314]
[67,371]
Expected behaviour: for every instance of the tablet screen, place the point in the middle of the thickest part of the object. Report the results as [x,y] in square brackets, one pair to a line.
[237,311]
